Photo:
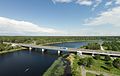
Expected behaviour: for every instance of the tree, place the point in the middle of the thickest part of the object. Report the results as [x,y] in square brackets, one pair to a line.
[93,46]
[97,57]
[116,63]
[107,58]
[90,61]
[87,61]
[83,61]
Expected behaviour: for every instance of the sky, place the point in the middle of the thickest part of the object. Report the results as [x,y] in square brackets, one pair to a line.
[60,17]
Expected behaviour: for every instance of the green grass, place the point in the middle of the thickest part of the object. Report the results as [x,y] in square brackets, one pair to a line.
[12,50]
[97,67]
[76,70]
[90,74]
[56,69]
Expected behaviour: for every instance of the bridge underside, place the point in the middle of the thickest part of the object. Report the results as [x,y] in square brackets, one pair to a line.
[44,50]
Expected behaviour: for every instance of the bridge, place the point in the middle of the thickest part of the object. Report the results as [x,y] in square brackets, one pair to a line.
[79,51]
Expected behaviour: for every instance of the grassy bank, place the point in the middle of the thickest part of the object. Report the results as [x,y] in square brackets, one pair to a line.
[90,74]
[75,68]
[12,50]
[56,69]
[113,71]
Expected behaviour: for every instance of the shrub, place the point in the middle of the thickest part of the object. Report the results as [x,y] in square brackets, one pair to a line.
[116,63]
[107,58]
[97,57]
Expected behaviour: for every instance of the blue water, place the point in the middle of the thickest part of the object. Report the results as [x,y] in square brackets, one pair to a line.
[16,63]
[70,44]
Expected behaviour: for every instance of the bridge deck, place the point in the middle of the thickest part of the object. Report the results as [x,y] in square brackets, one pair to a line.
[113,53]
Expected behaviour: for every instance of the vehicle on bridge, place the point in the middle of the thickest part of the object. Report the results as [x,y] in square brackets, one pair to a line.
[64,48]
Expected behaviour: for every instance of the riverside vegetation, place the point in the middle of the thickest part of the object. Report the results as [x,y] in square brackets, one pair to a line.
[105,64]
[5,48]
[100,64]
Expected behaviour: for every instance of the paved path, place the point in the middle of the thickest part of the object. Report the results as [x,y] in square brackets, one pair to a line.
[83,71]
[101,47]
[98,73]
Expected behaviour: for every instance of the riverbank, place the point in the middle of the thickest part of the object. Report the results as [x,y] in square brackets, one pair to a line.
[56,69]
[60,67]
[12,50]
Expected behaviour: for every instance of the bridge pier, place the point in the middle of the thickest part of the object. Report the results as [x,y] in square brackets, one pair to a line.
[79,53]
[59,52]
[43,50]
[30,48]
[93,54]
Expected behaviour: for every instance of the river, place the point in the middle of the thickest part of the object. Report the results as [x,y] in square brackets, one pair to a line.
[30,63]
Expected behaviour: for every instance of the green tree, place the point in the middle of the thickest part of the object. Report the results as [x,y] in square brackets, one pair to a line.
[90,61]
[107,58]
[87,61]
[97,57]
[116,63]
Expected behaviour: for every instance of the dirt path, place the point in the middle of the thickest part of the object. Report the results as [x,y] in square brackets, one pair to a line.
[101,47]
[67,71]
[83,71]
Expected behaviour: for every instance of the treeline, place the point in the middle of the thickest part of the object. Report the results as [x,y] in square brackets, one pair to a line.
[92,46]
[7,47]
[4,47]
[113,45]
[108,65]
[51,39]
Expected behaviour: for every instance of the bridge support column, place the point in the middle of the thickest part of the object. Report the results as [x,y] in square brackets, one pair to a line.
[93,54]
[30,48]
[79,53]
[43,50]
[59,52]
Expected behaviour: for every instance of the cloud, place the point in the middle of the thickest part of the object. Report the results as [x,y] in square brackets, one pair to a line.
[85,2]
[109,3]
[96,3]
[62,1]
[12,26]
[111,16]
[117,1]
[91,31]
[93,3]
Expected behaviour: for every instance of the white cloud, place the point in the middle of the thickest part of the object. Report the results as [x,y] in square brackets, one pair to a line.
[109,3]
[93,3]
[10,26]
[85,2]
[117,1]
[91,31]
[62,1]
[97,2]
[108,17]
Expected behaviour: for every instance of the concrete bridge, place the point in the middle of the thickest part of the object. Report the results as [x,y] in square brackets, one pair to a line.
[71,50]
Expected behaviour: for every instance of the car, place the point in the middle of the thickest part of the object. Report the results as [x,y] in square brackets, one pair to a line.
[65,48]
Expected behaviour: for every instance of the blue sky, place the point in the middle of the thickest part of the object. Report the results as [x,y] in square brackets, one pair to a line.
[60,17]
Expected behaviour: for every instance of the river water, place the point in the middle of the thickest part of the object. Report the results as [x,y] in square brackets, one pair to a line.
[30,63]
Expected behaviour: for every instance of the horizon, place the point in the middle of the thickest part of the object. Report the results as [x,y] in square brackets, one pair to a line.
[60,18]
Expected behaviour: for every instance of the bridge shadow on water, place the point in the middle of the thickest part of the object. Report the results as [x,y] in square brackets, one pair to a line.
[50,52]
